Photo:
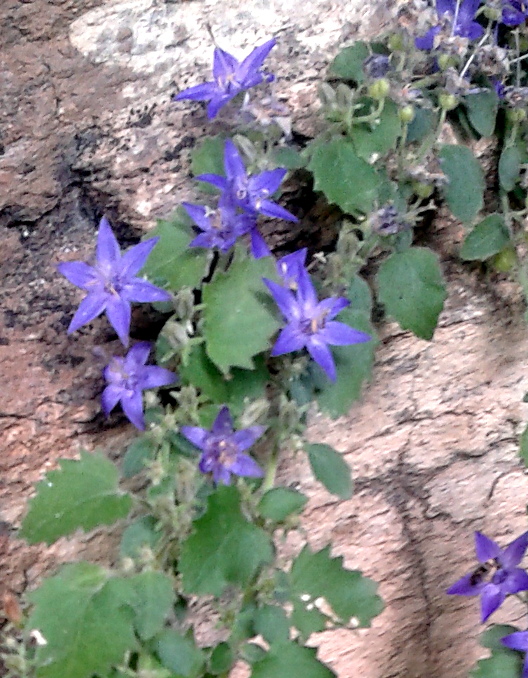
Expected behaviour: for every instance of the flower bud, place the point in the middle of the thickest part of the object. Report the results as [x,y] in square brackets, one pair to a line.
[516,114]
[445,61]
[448,102]
[376,66]
[505,261]
[406,114]
[492,13]
[379,89]
[396,42]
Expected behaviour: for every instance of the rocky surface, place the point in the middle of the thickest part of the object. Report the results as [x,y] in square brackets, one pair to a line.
[87,127]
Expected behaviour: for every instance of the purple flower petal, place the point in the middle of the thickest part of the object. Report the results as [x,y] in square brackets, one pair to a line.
[214,180]
[198,215]
[284,299]
[224,64]
[195,435]
[89,308]
[465,586]
[221,475]
[137,356]
[426,42]
[202,92]
[268,181]
[78,273]
[339,334]
[486,548]
[216,103]
[290,266]
[110,397]
[233,165]
[259,249]
[290,339]
[271,209]
[332,306]
[516,581]
[244,465]
[245,438]
[153,376]
[118,313]
[143,291]
[108,251]
[516,641]
[132,404]
[490,600]
[252,63]
[136,257]
[306,294]
[445,7]
[514,552]
[223,424]
[322,356]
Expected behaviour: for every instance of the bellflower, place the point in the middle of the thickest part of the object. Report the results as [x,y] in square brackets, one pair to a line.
[461,17]
[250,193]
[518,641]
[514,13]
[501,564]
[223,448]
[230,78]
[311,324]
[221,227]
[112,283]
[127,377]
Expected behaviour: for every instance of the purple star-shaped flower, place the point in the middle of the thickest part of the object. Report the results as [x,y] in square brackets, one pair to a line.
[221,227]
[112,283]
[310,323]
[250,193]
[223,448]
[230,78]
[514,13]
[461,18]
[518,641]
[127,377]
[501,564]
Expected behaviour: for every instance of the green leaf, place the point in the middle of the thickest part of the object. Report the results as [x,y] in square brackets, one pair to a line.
[239,316]
[347,592]
[288,158]
[224,547]
[505,664]
[208,158]
[377,138]
[280,502]
[330,469]
[307,620]
[139,451]
[152,599]
[82,494]
[523,451]
[203,374]
[172,260]
[465,188]
[272,624]
[487,238]
[345,178]
[138,535]
[482,110]
[423,123]
[509,167]
[221,659]
[78,612]
[411,287]
[179,654]
[290,660]
[492,636]
[348,64]
[353,366]
[360,295]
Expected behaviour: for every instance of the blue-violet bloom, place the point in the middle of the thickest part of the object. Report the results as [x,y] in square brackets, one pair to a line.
[518,641]
[311,324]
[230,78]
[461,18]
[514,13]
[501,565]
[112,283]
[221,227]
[250,193]
[127,377]
[223,448]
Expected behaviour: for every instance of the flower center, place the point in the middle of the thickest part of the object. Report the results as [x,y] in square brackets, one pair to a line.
[224,451]
[313,325]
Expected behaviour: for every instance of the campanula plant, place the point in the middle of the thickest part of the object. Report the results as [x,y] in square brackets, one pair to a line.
[254,341]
